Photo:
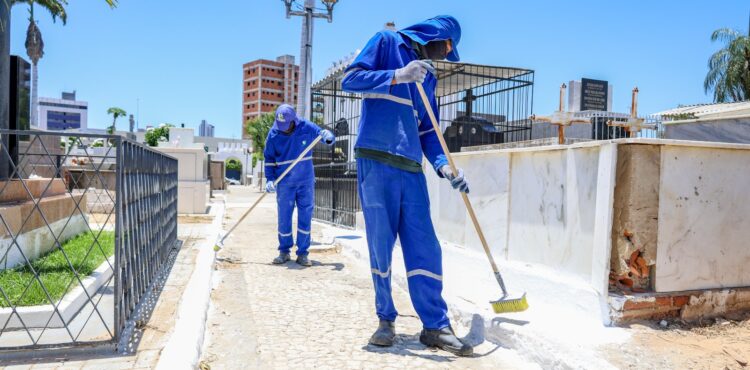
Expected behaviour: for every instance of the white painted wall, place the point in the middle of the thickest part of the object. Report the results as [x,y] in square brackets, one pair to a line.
[193,186]
[553,206]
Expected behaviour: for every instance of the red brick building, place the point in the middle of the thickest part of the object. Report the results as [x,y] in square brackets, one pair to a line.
[266,84]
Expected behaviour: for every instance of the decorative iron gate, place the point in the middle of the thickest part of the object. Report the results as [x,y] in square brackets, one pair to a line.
[336,199]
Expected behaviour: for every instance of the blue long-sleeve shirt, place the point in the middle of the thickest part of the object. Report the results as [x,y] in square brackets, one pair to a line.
[394,119]
[282,149]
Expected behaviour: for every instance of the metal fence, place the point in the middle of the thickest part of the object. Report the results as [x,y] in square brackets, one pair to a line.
[482,105]
[86,224]
[598,128]
[477,105]
[336,199]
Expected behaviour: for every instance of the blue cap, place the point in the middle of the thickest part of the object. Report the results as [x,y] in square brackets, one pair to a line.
[442,27]
[285,115]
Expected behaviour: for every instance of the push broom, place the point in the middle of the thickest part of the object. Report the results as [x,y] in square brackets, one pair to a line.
[220,244]
[506,303]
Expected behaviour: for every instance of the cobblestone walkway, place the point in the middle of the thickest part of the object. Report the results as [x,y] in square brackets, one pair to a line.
[266,316]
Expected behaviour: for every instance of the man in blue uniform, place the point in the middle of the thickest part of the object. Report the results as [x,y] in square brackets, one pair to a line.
[395,132]
[287,139]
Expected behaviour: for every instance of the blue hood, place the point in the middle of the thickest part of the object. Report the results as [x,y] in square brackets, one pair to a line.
[442,27]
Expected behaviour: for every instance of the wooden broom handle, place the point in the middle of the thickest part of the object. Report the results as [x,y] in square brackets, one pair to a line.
[283,174]
[469,208]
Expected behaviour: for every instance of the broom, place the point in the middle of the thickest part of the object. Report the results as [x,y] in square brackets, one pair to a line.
[220,244]
[505,303]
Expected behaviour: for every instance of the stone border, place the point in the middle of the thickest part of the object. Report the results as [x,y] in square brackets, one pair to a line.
[183,349]
[71,303]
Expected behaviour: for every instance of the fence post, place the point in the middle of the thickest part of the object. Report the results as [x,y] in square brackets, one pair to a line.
[119,190]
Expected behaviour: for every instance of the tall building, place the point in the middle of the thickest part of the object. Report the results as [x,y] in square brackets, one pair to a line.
[205,129]
[266,84]
[63,114]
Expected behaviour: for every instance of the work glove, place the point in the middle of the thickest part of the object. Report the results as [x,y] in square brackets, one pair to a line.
[415,71]
[328,137]
[270,187]
[457,181]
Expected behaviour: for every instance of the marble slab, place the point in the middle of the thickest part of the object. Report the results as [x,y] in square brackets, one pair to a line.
[489,181]
[553,208]
[704,219]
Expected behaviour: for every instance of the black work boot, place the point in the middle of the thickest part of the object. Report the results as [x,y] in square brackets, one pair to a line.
[282,258]
[383,337]
[304,261]
[446,340]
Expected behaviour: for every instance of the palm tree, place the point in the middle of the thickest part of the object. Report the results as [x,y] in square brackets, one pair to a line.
[34,43]
[729,68]
[116,113]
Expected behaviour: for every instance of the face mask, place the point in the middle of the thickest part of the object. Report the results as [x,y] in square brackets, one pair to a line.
[291,128]
[435,50]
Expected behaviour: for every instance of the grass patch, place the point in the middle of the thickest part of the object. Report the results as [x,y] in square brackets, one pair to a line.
[54,270]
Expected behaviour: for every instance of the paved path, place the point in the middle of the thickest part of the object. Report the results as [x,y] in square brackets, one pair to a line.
[266,316]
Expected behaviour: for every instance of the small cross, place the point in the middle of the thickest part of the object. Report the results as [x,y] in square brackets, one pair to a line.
[633,125]
[561,118]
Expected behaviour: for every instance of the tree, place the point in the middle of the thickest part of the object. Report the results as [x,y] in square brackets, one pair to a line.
[729,68]
[116,113]
[34,43]
[233,164]
[258,129]
[155,135]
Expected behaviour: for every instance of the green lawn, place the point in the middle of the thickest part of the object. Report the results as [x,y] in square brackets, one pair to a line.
[54,271]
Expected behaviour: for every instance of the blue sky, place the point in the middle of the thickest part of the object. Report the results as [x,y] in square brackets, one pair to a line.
[183,59]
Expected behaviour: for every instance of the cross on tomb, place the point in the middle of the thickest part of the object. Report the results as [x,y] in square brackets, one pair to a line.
[633,125]
[560,118]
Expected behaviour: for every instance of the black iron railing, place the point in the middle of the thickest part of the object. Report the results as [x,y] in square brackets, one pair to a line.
[148,224]
[86,224]
[477,104]
[336,198]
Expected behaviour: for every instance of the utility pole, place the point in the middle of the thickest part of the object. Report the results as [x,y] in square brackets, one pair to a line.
[304,93]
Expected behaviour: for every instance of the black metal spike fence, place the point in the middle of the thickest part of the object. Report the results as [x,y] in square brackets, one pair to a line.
[336,199]
[86,224]
[481,105]
[477,104]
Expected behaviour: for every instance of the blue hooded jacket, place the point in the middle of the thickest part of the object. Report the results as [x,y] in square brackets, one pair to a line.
[394,120]
[282,149]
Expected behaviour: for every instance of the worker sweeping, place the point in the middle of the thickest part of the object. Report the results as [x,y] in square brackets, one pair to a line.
[394,134]
[287,139]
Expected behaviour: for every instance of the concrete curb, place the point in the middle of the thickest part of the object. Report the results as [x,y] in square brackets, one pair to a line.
[70,305]
[183,350]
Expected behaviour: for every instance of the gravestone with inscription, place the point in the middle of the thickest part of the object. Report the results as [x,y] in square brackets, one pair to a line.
[589,94]
[593,94]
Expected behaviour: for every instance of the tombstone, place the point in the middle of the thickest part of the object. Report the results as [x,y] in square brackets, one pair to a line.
[4,79]
[19,106]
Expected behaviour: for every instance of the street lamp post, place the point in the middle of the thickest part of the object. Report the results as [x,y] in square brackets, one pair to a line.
[305,71]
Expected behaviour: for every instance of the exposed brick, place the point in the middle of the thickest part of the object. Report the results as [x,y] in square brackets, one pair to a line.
[663,301]
[649,314]
[637,305]
[669,314]
[681,300]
